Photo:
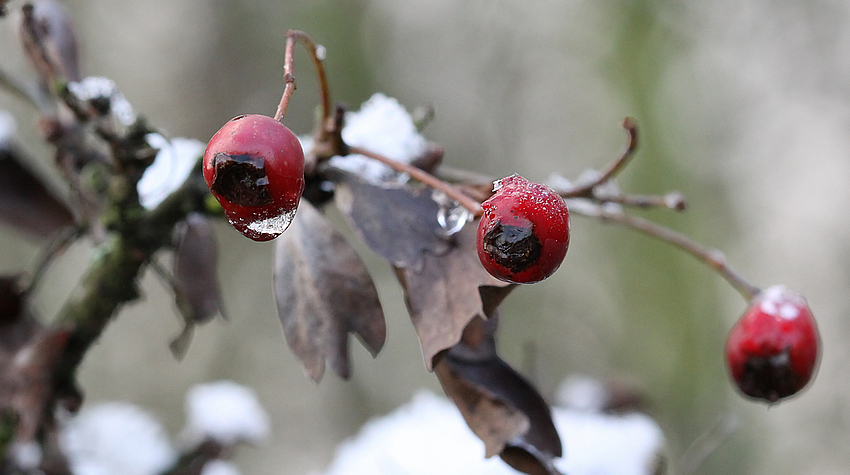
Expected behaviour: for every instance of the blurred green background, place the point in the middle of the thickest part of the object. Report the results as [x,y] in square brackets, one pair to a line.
[742,105]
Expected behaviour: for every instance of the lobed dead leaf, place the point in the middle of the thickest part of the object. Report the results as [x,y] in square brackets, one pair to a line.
[500,406]
[324,292]
[399,223]
[28,355]
[48,39]
[448,292]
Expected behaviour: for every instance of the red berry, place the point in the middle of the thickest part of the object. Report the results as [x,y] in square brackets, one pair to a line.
[254,166]
[772,352]
[524,232]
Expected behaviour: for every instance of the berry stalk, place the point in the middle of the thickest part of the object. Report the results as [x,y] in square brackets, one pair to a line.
[586,190]
[470,204]
[292,37]
[711,257]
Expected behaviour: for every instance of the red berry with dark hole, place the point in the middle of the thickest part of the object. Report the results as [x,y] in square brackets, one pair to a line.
[524,232]
[254,166]
[772,352]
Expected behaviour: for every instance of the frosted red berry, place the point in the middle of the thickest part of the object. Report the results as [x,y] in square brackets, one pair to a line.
[772,351]
[524,231]
[254,166]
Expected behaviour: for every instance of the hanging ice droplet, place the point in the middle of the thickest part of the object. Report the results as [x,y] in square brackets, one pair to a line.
[264,229]
[274,225]
[321,52]
[451,216]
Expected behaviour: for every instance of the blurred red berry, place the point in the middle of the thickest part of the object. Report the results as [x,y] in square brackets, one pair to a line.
[772,351]
[524,232]
[254,166]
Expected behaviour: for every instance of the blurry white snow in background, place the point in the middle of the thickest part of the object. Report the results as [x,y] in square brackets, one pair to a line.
[116,437]
[428,436]
[96,87]
[225,412]
[120,438]
[220,467]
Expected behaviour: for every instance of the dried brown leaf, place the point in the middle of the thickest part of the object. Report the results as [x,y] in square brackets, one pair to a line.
[323,292]
[48,39]
[399,223]
[28,354]
[196,288]
[448,292]
[26,201]
[500,406]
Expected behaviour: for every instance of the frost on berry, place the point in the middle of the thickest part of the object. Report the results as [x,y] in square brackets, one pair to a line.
[772,351]
[524,232]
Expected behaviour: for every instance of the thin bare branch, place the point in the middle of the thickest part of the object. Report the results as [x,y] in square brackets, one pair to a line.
[470,204]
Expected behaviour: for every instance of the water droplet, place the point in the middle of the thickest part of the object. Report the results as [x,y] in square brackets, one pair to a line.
[264,229]
[274,225]
[451,216]
[321,52]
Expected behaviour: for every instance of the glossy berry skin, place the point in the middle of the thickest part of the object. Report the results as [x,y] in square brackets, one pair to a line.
[772,351]
[254,166]
[524,231]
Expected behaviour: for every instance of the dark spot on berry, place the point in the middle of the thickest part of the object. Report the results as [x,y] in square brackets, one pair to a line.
[241,179]
[513,247]
[770,378]
[239,117]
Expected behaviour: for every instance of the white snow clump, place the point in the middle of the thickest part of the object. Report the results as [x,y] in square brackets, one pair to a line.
[383,126]
[172,165]
[225,412]
[93,87]
[429,436]
[220,467]
[116,437]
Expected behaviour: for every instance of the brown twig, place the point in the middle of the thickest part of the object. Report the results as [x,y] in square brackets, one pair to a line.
[711,257]
[292,37]
[586,189]
[470,204]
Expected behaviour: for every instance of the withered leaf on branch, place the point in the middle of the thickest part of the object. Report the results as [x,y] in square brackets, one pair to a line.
[447,292]
[196,288]
[323,292]
[28,355]
[399,223]
[500,406]
[26,201]
[49,41]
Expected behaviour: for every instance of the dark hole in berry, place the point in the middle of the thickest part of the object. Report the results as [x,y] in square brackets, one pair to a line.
[515,248]
[241,179]
[769,378]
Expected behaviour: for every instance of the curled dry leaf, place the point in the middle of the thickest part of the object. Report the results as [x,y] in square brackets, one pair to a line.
[196,287]
[49,41]
[448,292]
[323,292]
[500,406]
[399,223]
[26,201]
[28,355]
